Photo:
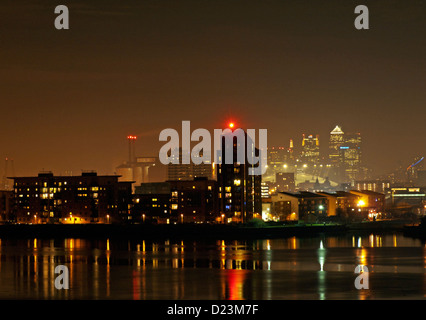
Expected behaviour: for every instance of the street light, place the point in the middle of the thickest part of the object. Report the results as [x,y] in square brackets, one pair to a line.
[361,203]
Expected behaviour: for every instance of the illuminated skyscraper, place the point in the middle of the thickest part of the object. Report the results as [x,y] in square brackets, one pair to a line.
[350,155]
[310,148]
[345,155]
[336,140]
[239,193]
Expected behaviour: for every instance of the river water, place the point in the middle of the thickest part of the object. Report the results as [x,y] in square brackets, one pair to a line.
[315,268]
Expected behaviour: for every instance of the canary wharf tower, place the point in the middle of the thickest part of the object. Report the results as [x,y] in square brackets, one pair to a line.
[336,141]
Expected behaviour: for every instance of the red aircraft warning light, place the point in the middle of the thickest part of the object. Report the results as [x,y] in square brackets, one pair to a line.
[231,125]
[131,137]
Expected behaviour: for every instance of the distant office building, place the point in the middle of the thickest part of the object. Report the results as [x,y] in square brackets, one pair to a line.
[310,148]
[403,200]
[239,193]
[373,185]
[345,156]
[351,156]
[189,171]
[284,182]
[280,157]
[277,155]
[335,142]
[88,198]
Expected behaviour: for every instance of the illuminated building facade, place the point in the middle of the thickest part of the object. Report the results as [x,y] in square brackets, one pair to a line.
[185,201]
[335,142]
[342,204]
[194,201]
[351,154]
[345,156]
[370,203]
[373,185]
[151,203]
[239,193]
[306,206]
[88,198]
[310,149]
[315,206]
[280,159]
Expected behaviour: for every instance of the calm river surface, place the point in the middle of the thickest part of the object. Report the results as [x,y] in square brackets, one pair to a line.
[291,268]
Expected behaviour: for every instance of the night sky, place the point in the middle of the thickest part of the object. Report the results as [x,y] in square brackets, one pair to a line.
[69,98]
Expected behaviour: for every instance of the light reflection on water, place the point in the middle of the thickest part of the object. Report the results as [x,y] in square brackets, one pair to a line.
[291,268]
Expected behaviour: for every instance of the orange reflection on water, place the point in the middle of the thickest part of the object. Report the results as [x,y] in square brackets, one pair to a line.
[235,283]
[362,256]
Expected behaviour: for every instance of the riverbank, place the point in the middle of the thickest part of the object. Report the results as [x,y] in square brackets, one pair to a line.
[201,231]
[379,225]
[164,231]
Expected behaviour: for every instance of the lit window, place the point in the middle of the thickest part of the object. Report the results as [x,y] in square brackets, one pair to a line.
[174,206]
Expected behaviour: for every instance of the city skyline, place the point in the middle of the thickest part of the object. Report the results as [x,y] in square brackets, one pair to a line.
[73,96]
[202,157]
